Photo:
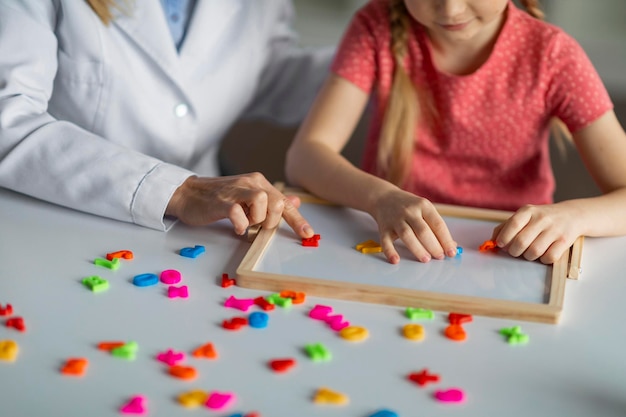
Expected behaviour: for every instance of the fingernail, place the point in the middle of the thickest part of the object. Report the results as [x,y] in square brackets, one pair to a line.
[451,253]
[425,258]
[308,230]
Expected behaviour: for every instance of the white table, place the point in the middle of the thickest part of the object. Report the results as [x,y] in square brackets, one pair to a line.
[575,368]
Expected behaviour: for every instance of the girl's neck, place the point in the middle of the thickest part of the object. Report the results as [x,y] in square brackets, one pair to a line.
[467,56]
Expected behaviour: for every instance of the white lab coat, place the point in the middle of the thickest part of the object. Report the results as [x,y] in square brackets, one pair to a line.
[111,120]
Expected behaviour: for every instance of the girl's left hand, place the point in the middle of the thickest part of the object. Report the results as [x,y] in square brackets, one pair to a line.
[541,232]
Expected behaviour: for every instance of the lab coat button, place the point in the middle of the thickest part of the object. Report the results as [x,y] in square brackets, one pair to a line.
[181,110]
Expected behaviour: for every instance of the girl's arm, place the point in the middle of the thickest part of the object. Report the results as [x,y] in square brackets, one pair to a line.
[546,232]
[314,161]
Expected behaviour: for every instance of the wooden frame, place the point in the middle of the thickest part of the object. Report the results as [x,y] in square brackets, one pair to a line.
[548,312]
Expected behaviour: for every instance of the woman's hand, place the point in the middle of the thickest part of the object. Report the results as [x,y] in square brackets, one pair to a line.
[416,222]
[542,232]
[245,200]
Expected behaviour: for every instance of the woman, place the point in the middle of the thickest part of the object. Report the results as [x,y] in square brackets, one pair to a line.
[105,110]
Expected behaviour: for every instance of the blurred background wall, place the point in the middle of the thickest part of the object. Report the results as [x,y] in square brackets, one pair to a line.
[599,27]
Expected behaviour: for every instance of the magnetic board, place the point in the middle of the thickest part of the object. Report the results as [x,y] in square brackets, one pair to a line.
[483,283]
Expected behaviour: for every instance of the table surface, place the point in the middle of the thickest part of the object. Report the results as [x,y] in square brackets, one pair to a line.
[575,368]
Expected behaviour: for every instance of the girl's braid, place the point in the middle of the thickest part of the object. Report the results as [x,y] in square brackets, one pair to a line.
[396,142]
[533,8]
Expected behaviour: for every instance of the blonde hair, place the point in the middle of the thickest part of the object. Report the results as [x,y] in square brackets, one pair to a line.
[407,104]
[396,143]
[104,9]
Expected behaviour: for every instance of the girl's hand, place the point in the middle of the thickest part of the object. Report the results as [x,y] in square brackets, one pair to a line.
[542,232]
[245,200]
[415,221]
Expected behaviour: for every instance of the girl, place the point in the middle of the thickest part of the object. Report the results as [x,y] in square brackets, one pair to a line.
[464,93]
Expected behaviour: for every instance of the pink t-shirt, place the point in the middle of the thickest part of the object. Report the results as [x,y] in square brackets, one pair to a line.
[489,145]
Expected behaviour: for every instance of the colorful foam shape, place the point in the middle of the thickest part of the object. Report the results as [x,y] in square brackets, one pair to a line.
[455,332]
[193,398]
[6,311]
[9,350]
[318,352]
[96,283]
[310,242]
[354,333]
[16,323]
[419,313]
[459,318]
[488,245]
[236,323]
[206,351]
[276,299]
[452,395]
[227,281]
[178,292]
[282,365]
[384,413]
[194,252]
[145,280]
[109,346]
[328,396]
[125,254]
[263,304]
[170,277]
[128,351]
[75,367]
[220,400]
[515,335]
[112,264]
[413,332]
[369,246]
[423,377]
[183,372]
[258,320]
[170,357]
[136,406]
[296,297]
[518,339]
[242,304]
[337,322]
[320,312]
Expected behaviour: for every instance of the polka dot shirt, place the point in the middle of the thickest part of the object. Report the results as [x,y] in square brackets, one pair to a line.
[488,146]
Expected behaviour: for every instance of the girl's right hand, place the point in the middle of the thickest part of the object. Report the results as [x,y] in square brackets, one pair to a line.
[415,221]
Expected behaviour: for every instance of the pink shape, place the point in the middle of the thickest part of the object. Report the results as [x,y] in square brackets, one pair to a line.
[320,312]
[170,357]
[336,322]
[219,401]
[180,292]
[170,276]
[135,406]
[453,395]
[242,304]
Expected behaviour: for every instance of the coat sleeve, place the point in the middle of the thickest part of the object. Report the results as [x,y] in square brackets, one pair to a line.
[55,160]
[292,74]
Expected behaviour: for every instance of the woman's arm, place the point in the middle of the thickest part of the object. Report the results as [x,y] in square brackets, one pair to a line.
[545,232]
[48,156]
[315,163]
